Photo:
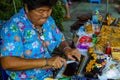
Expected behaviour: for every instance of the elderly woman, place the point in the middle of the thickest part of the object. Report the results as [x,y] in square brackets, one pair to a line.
[29,38]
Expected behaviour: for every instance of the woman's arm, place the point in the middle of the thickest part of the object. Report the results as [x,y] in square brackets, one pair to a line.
[64,46]
[72,54]
[16,63]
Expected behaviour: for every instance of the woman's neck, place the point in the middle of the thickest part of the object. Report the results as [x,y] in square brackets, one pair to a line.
[38,27]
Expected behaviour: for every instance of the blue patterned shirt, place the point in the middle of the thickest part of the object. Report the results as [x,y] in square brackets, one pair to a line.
[21,39]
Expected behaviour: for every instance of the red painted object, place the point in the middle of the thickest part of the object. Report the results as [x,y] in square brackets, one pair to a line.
[108,51]
[85,39]
[97,33]
[97,30]
[108,48]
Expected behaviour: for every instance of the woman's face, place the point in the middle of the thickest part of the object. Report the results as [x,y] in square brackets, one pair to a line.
[39,15]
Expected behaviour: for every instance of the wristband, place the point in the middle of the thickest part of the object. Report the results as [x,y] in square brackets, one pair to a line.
[67,47]
[46,62]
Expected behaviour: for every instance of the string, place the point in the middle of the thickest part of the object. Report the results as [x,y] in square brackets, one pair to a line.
[14,6]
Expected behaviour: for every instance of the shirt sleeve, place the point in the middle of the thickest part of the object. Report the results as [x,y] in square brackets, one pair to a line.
[11,41]
[57,35]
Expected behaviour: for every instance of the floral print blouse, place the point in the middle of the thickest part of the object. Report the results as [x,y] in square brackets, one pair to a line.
[21,39]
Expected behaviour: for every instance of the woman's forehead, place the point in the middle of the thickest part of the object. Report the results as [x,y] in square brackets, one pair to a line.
[43,7]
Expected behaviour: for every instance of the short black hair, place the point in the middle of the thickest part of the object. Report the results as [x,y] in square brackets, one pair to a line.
[33,4]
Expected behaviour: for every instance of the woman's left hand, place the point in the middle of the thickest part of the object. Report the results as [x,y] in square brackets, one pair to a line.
[73,54]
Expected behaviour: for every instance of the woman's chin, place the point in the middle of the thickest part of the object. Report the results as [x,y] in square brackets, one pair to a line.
[42,21]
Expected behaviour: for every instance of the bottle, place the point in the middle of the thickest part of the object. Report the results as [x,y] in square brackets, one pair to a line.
[97,29]
[108,48]
[95,21]
[94,39]
[95,16]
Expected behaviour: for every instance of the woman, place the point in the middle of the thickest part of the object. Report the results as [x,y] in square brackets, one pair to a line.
[29,38]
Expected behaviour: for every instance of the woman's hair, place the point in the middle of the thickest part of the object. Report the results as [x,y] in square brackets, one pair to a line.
[33,4]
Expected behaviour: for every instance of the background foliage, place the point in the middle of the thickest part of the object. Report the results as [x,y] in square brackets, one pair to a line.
[58,14]
[7,10]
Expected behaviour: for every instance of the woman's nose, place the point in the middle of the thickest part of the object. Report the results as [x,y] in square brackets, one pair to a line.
[45,14]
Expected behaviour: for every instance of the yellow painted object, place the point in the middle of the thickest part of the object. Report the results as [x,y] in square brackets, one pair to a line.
[115,53]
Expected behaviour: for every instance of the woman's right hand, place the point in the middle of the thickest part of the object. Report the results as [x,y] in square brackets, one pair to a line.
[56,62]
